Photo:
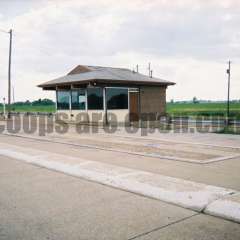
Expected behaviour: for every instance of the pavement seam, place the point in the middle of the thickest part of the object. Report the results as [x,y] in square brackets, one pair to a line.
[162,227]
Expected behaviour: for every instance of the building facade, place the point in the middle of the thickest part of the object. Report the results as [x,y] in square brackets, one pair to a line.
[105,95]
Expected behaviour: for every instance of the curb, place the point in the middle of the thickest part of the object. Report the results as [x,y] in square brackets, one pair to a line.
[227,208]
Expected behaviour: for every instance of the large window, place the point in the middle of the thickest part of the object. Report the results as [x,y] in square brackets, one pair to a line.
[117,98]
[78,99]
[63,100]
[95,98]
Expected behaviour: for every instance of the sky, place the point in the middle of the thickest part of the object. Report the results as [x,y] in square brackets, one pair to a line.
[187,42]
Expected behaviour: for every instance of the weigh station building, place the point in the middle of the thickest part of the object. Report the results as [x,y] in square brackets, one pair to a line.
[106,94]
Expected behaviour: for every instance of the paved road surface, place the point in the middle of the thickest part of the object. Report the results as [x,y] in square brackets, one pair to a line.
[222,174]
[37,203]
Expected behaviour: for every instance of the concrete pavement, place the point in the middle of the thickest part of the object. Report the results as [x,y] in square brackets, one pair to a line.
[223,174]
[188,194]
[36,203]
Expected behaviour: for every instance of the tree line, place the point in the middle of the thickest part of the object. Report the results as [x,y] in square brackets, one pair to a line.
[39,102]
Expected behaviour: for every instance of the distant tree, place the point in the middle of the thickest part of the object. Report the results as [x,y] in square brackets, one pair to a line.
[195,100]
[36,102]
[41,102]
[22,103]
[172,101]
[47,101]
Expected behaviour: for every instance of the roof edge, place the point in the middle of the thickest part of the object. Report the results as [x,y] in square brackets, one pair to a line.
[140,83]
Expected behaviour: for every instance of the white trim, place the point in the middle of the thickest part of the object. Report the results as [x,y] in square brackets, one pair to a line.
[133,89]
[118,87]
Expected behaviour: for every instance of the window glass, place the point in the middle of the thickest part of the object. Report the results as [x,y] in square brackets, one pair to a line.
[63,100]
[95,98]
[117,98]
[78,99]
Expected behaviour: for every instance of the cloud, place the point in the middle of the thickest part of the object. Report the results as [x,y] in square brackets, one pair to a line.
[187,41]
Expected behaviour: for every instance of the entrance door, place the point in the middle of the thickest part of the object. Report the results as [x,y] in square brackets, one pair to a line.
[134,106]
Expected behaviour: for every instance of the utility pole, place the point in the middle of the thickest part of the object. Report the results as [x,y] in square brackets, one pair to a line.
[9,74]
[228,95]
[13,95]
[4,108]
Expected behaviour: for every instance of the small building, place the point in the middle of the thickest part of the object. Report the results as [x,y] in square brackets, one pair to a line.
[106,94]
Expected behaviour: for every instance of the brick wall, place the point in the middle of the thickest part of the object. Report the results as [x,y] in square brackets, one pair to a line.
[153,100]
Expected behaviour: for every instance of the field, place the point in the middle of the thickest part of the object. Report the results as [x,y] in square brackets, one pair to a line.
[203,109]
[29,108]
[178,109]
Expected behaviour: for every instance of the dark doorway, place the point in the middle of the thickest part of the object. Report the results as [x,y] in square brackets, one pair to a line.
[134,106]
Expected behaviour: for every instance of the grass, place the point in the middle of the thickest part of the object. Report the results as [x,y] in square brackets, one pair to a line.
[203,109]
[206,110]
[29,108]
[177,109]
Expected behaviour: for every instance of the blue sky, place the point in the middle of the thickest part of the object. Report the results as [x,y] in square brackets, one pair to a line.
[188,42]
